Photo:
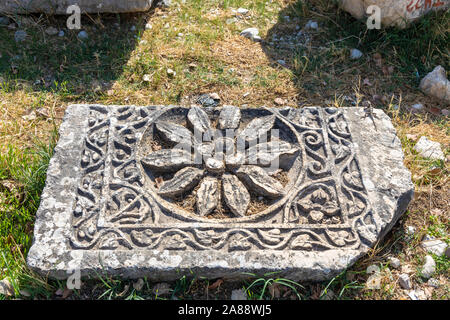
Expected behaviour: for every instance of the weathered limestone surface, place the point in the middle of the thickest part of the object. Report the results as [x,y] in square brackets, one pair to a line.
[86,6]
[104,207]
[397,13]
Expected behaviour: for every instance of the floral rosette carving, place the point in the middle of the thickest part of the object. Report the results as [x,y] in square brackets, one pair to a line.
[223,162]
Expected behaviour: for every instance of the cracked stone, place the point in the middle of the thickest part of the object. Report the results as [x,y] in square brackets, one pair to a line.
[142,207]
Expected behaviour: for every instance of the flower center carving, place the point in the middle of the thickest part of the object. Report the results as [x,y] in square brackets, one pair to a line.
[225,163]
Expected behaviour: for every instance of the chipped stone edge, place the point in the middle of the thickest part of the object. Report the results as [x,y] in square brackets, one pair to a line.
[399,193]
[50,254]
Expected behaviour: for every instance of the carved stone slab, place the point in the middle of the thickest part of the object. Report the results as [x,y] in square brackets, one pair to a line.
[166,191]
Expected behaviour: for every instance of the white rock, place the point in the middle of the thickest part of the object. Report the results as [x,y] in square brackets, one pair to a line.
[242,11]
[393,12]
[429,267]
[83,35]
[410,230]
[238,294]
[373,269]
[429,149]
[148,26]
[251,33]
[404,281]
[437,247]
[436,84]
[147,78]
[311,25]
[355,54]
[394,262]
[171,73]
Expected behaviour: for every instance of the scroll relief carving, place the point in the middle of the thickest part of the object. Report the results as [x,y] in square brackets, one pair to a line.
[248,179]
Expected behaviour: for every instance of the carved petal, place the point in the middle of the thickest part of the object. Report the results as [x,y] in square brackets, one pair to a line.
[182,181]
[229,117]
[265,153]
[174,133]
[207,196]
[168,159]
[199,119]
[235,194]
[257,127]
[258,179]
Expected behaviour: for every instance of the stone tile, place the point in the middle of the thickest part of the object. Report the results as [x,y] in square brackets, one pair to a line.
[324,186]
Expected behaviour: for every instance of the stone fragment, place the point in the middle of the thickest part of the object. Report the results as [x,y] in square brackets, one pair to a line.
[404,281]
[230,117]
[251,33]
[117,199]
[206,100]
[235,194]
[258,180]
[242,11]
[311,25]
[58,7]
[355,54]
[399,13]
[394,262]
[429,149]
[182,181]
[429,267]
[436,84]
[83,35]
[435,246]
[207,196]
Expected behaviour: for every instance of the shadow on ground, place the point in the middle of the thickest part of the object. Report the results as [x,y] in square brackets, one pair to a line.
[319,55]
[65,63]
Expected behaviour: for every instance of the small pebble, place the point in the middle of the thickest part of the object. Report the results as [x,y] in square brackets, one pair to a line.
[148,26]
[394,262]
[404,281]
[242,11]
[355,54]
[83,35]
[311,25]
